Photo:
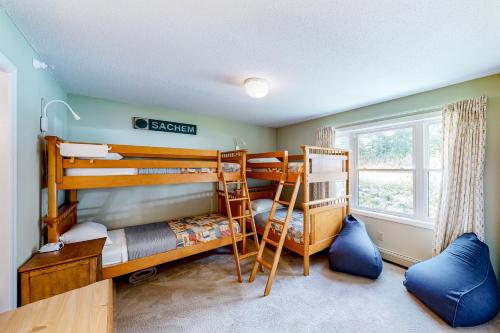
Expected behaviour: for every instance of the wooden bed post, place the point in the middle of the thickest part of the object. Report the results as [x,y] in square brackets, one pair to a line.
[52,188]
[305,208]
[285,161]
[71,195]
[217,184]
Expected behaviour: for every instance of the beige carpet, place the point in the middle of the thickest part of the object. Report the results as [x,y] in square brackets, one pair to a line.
[200,294]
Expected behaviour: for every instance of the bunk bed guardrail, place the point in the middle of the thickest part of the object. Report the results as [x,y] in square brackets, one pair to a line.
[61,219]
[322,217]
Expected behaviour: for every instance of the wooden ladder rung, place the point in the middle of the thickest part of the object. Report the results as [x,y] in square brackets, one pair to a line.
[278,221]
[250,234]
[239,199]
[241,216]
[247,255]
[259,261]
[270,241]
[264,263]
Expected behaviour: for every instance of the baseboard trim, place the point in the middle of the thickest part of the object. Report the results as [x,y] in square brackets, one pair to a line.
[397,258]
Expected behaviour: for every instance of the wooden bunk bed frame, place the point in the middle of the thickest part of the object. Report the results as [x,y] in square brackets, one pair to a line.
[323,218]
[60,219]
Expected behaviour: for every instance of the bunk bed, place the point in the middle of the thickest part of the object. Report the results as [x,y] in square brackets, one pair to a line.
[69,170]
[313,227]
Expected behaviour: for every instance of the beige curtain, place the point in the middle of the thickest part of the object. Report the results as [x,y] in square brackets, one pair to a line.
[325,137]
[461,207]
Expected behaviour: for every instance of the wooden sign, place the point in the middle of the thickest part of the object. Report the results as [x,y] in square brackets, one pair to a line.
[163,126]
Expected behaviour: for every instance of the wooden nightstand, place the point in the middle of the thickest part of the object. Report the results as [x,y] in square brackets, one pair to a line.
[52,273]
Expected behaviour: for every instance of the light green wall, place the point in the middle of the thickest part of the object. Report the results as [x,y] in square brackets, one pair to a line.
[111,122]
[291,137]
[32,86]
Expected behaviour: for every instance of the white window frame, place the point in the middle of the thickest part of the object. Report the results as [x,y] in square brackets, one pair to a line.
[420,168]
[426,166]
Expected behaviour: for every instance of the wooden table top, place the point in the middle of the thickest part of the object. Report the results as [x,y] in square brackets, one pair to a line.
[70,252]
[87,310]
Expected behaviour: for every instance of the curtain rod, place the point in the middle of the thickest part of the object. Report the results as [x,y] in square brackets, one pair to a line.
[429,109]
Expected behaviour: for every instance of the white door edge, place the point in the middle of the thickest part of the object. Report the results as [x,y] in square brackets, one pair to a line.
[9,228]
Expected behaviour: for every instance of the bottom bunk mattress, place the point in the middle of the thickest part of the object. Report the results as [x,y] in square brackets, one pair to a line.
[148,239]
[295,227]
[116,252]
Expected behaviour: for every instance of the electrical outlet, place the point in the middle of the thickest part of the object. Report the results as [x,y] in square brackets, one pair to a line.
[380,236]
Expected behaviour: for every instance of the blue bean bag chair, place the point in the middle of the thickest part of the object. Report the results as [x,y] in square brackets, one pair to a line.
[353,251]
[459,284]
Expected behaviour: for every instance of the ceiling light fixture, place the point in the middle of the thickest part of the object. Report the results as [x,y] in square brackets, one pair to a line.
[256,87]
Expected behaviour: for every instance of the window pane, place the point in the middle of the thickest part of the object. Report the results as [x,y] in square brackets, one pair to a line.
[386,190]
[435,144]
[389,149]
[342,142]
[434,189]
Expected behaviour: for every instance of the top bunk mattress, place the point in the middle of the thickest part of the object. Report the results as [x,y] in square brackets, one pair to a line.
[226,167]
[318,164]
[292,167]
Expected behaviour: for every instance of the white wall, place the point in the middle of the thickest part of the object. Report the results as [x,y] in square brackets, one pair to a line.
[401,243]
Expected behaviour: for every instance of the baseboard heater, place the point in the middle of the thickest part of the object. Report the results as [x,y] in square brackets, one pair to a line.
[397,258]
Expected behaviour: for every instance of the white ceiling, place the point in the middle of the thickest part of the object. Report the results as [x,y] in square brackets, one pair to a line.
[321,57]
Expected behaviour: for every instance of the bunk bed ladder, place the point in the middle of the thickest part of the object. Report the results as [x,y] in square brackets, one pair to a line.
[259,261]
[242,219]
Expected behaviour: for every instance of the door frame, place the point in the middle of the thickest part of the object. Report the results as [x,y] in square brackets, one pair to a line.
[6,66]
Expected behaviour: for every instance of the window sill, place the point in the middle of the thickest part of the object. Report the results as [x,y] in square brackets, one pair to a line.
[393,218]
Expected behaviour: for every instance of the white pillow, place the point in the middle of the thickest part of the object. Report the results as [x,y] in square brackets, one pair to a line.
[85,231]
[264,160]
[109,156]
[263,205]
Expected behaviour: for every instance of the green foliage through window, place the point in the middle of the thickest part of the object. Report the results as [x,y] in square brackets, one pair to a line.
[389,149]
[386,191]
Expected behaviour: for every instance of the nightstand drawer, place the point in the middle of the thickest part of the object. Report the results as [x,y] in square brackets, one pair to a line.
[67,277]
[48,274]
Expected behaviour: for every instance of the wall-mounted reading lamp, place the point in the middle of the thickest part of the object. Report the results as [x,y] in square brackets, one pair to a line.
[44,121]
[239,143]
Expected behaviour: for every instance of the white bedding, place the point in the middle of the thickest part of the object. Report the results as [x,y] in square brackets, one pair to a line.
[227,167]
[326,164]
[115,253]
[100,171]
[292,167]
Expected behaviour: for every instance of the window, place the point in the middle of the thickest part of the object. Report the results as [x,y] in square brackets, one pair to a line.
[385,170]
[396,167]
[433,136]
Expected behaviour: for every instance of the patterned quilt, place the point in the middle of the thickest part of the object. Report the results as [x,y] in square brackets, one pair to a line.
[201,228]
[295,227]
